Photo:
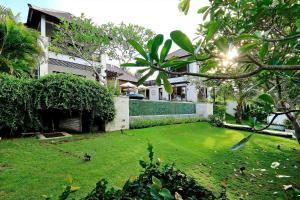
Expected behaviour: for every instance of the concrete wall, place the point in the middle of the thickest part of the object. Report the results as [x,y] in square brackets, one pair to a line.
[62,69]
[231,108]
[279,119]
[204,109]
[121,120]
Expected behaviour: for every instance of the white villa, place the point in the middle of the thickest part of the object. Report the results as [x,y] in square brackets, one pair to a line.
[184,89]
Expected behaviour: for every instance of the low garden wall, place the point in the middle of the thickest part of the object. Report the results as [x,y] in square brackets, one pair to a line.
[155,110]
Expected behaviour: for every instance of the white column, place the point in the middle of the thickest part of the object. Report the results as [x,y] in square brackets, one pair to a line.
[43,68]
[103,67]
[43,25]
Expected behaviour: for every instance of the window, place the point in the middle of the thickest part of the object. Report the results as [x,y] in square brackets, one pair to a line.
[160,93]
[179,93]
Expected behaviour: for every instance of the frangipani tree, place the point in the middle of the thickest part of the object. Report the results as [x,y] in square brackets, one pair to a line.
[237,40]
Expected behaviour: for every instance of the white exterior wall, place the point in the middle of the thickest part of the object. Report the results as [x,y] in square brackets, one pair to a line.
[204,109]
[231,108]
[121,120]
[153,93]
[279,119]
[191,93]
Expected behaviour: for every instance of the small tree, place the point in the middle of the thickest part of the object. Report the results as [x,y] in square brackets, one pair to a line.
[118,48]
[81,38]
[19,50]
[239,40]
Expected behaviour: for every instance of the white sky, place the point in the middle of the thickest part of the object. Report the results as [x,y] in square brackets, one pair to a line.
[162,16]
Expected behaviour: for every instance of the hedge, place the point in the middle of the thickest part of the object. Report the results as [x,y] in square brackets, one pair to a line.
[145,123]
[139,108]
[22,100]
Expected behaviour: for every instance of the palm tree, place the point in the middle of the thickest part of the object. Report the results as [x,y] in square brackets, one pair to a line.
[19,49]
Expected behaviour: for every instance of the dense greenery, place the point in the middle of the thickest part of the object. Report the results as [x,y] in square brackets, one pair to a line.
[198,149]
[155,183]
[19,49]
[145,123]
[138,108]
[237,40]
[23,100]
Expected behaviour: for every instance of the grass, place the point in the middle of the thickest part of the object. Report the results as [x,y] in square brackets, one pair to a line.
[30,169]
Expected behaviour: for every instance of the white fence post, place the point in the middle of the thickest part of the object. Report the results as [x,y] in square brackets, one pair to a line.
[204,109]
[121,120]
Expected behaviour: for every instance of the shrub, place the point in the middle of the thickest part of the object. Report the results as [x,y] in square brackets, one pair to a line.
[288,124]
[220,110]
[215,120]
[16,103]
[143,123]
[155,182]
[22,100]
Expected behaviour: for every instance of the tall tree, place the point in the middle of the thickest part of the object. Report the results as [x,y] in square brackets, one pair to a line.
[19,49]
[237,40]
[118,47]
[81,38]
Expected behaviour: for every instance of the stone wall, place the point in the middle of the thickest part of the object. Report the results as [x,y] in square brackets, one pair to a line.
[121,120]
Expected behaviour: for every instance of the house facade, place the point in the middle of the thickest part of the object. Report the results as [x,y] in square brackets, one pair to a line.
[44,21]
[185,88]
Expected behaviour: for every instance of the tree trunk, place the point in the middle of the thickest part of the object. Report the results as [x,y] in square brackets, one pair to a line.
[296,126]
[239,111]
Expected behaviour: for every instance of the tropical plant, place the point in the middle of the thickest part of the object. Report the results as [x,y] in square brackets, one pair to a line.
[155,182]
[237,39]
[118,47]
[23,101]
[19,49]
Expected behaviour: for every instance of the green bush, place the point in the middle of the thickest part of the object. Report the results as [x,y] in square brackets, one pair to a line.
[155,182]
[215,120]
[22,100]
[143,123]
[16,103]
[220,110]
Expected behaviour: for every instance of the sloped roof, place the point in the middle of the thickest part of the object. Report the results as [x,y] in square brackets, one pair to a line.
[54,13]
[180,53]
[122,74]
[126,76]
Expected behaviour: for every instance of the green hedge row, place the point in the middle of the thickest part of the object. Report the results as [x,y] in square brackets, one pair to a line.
[22,100]
[139,108]
[142,123]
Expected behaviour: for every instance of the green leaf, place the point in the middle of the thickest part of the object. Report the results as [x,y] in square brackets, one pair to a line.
[129,65]
[298,23]
[241,143]
[267,98]
[156,182]
[203,9]
[247,47]
[263,51]
[165,50]
[211,30]
[158,79]
[208,66]
[157,41]
[184,6]
[247,37]
[222,44]
[165,193]
[182,41]
[142,62]
[145,77]
[167,84]
[139,48]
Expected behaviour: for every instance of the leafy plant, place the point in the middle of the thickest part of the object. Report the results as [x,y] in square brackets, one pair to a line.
[145,123]
[215,120]
[155,182]
[23,100]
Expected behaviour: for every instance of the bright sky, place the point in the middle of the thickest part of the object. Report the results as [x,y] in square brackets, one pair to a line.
[162,16]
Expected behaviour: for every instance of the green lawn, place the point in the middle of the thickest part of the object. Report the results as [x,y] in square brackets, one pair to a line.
[29,168]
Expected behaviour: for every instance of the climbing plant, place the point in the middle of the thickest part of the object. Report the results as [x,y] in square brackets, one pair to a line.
[22,100]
